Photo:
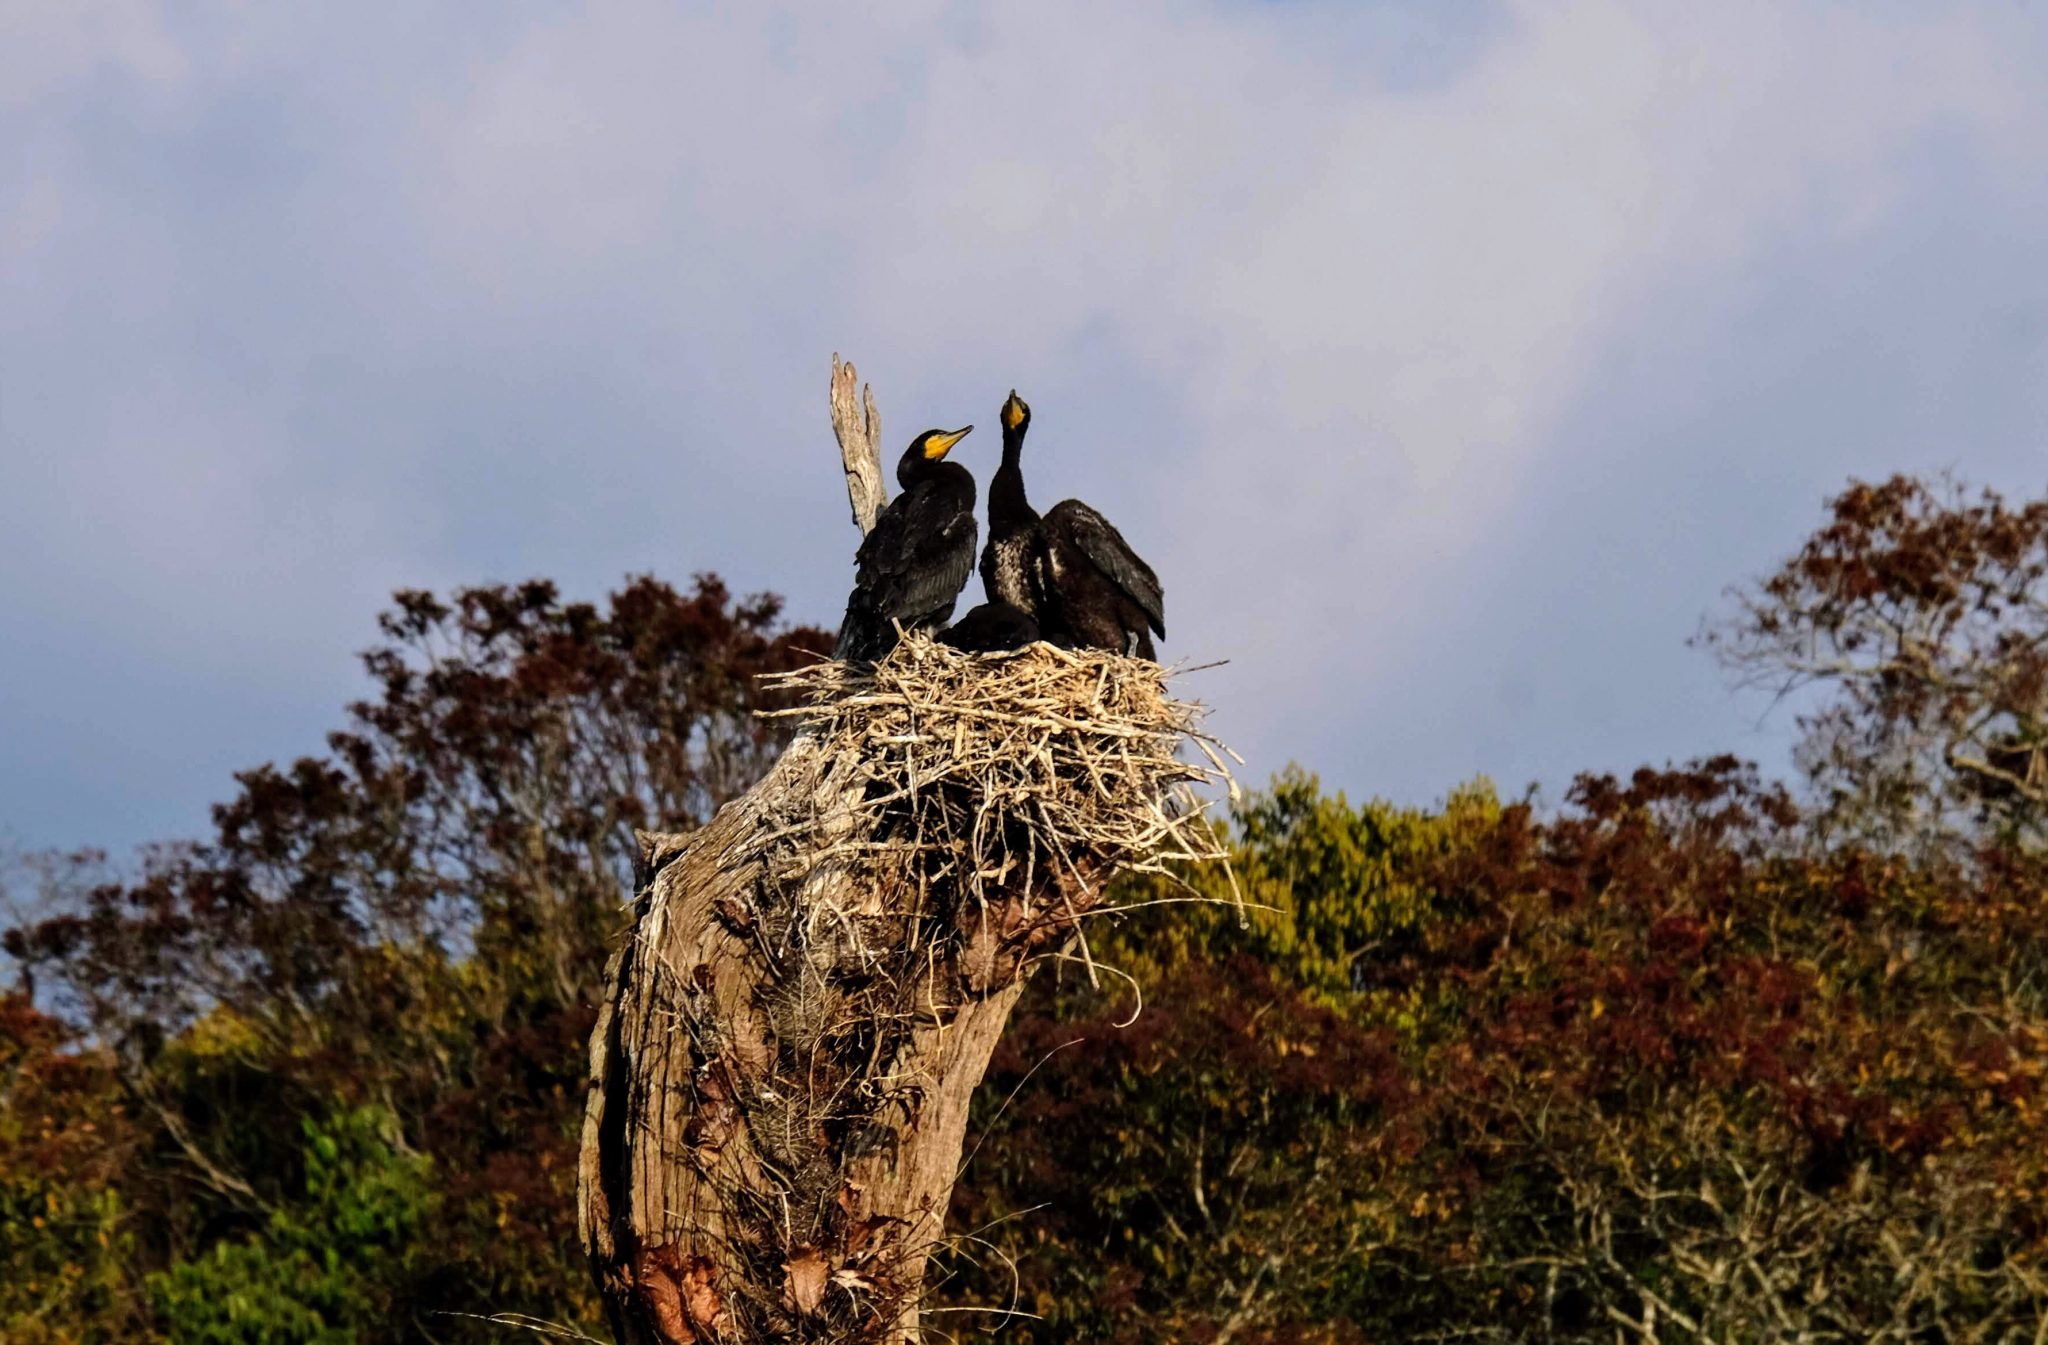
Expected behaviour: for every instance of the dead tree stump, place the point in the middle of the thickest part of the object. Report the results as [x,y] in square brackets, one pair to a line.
[790,1039]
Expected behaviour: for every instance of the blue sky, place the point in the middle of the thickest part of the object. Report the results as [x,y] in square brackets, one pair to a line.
[1447,360]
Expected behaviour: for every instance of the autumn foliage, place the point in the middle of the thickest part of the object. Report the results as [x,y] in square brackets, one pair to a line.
[354,1020]
[1637,1062]
[1688,1055]
[1922,609]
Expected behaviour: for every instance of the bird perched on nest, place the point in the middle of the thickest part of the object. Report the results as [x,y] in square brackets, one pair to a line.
[992,628]
[1071,570]
[914,563]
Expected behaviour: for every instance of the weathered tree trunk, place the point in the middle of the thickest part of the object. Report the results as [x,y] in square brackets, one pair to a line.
[782,1067]
[736,1184]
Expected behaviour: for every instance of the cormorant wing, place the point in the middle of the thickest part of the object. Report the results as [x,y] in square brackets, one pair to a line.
[1099,540]
[919,555]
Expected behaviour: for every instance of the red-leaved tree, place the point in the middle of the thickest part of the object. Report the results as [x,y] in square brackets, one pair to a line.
[417,921]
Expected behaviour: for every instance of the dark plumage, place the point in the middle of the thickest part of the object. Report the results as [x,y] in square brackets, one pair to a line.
[992,628]
[1070,569]
[1099,594]
[912,567]
[1009,559]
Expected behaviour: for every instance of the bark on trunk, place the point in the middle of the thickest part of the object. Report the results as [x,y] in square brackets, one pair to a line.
[740,1182]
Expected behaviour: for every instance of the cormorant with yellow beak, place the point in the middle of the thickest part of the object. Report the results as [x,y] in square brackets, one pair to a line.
[1070,569]
[914,563]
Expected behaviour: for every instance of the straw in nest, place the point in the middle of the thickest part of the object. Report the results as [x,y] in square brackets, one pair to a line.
[1006,788]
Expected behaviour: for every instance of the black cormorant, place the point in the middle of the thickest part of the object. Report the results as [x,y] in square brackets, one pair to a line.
[992,628]
[1012,553]
[915,562]
[1070,569]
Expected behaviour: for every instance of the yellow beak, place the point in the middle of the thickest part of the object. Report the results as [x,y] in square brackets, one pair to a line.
[940,444]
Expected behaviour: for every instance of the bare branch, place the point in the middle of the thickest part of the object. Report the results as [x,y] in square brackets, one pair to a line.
[858,426]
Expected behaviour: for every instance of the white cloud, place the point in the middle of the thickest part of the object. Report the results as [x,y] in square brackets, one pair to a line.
[1330,278]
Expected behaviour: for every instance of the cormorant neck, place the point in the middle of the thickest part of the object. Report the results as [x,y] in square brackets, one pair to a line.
[917,470]
[1006,502]
[913,468]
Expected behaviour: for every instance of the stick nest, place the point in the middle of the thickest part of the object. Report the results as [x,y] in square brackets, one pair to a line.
[1009,788]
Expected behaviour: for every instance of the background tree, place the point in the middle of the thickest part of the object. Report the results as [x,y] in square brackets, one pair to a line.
[1645,1065]
[1920,613]
[415,924]
[66,1274]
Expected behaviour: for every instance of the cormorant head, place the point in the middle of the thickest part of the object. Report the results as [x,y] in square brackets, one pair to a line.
[1016,416]
[927,449]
